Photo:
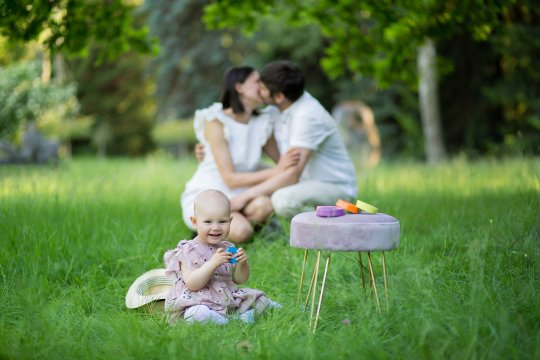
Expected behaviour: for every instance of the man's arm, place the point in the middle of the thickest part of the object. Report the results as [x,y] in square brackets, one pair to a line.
[286,178]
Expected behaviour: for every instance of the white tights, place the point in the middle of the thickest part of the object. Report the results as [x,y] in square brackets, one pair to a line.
[202,313]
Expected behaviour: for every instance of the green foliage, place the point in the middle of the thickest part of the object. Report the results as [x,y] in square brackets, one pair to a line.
[11,52]
[24,97]
[191,62]
[80,127]
[177,137]
[187,81]
[517,48]
[304,45]
[174,132]
[462,285]
[489,90]
[493,89]
[71,26]
[118,95]
[375,38]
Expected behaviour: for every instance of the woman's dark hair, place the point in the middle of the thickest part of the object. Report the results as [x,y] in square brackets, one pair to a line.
[284,76]
[229,96]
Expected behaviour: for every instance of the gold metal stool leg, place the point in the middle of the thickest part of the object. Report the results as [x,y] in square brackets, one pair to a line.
[361,271]
[373,282]
[385,281]
[322,292]
[302,276]
[316,271]
[310,288]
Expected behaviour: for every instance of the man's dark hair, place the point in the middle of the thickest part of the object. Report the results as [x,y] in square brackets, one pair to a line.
[229,96]
[283,76]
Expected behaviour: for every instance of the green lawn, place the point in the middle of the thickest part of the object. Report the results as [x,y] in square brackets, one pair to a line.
[463,284]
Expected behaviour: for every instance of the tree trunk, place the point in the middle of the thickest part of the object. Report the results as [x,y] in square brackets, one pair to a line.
[429,103]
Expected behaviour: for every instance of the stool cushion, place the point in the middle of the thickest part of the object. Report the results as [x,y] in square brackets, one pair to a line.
[352,232]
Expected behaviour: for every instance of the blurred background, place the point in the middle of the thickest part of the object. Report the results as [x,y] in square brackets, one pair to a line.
[419,80]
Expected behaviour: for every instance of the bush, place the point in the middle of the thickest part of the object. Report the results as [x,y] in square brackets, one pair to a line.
[25,97]
[175,136]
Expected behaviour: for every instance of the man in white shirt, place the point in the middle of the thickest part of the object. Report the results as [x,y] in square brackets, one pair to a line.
[325,173]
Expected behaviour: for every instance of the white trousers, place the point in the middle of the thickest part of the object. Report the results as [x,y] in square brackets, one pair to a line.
[305,196]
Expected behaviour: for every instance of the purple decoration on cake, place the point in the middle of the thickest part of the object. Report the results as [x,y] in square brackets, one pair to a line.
[329,211]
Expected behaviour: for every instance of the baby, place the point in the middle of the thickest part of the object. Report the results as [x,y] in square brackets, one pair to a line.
[205,280]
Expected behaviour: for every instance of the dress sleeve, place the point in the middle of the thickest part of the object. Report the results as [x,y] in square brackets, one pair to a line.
[183,253]
[211,113]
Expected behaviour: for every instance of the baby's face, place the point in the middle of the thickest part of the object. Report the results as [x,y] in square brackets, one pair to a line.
[213,223]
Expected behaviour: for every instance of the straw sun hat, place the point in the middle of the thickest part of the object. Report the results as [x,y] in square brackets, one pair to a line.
[151,286]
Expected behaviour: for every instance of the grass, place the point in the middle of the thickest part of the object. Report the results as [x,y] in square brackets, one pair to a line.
[463,284]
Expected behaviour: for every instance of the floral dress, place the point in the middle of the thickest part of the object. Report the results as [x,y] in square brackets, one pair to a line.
[220,294]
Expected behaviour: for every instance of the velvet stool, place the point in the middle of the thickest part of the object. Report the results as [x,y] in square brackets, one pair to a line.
[350,233]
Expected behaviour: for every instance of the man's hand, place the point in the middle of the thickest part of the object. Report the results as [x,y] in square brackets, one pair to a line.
[290,158]
[199,152]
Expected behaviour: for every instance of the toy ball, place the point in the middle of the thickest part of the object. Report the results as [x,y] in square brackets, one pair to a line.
[232,250]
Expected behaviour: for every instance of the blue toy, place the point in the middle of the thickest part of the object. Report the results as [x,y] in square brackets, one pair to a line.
[232,250]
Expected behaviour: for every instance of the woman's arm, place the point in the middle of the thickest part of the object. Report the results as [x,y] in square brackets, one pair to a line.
[215,136]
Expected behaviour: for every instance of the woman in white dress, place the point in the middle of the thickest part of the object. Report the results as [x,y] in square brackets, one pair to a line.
[234,135]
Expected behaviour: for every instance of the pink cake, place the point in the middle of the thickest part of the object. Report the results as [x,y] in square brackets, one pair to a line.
[351,232]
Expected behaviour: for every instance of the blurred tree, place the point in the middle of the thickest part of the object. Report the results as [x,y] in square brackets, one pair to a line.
[24,97]
[303,46]
[71,26]
[381,38]
[113,91]
[119,97]
[187,80]
[11,52]
[192,60]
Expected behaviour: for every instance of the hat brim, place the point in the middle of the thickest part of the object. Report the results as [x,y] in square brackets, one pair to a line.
[151,286]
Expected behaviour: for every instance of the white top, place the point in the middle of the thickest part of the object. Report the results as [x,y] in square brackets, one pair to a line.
[307,124]
[245,145]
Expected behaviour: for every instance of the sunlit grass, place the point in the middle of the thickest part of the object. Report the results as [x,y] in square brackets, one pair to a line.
[463,284]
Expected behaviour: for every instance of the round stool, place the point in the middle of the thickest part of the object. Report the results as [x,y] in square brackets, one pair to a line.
[352,232]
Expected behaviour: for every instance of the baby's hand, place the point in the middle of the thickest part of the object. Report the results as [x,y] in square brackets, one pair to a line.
[220,257]
[241,256]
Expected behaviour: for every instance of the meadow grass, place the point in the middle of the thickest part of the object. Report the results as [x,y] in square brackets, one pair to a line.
[463,284]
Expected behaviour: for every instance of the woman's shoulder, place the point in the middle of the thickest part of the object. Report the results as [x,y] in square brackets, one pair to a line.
[215,107]
[211,113]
